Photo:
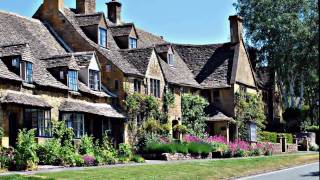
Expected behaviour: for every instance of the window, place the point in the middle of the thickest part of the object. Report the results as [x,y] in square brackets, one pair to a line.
[73,80]
[29,72]
[94,80]
[61,75]
[243,89]
[170,59]
[106,127]
[103,37]
[108,68]
[40,120]
[146,87]
[76,122]
[116,84]
[137,86]
[155,87]
[216,95]
[15,62]
[132,43]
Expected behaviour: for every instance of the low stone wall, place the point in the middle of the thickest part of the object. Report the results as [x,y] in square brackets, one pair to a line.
[292,148]
[276,147]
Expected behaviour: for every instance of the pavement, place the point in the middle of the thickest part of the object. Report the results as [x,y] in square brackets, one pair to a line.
[305,172]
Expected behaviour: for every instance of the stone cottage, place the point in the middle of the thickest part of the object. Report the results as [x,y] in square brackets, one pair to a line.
[40,82]
[112,58]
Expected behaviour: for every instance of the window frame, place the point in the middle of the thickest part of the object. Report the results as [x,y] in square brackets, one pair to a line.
[94,80]
[102,40]
[75,121]
[133,43]
[28,72]
[170,58]
[155,87]
[137,85]
[40,120]
[73,80]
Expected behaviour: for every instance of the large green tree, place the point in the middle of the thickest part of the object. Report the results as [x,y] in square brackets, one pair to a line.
[286,35]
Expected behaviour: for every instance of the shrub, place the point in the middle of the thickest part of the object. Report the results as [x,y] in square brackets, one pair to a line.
[125,152]
[265,136]
[181,128]
[137,159]
[86,145]
[89,160]
[199,148]
[68,156]
[312,128]
[289,137]
[49,152]
[314,148]
[166,148]
[26,151]
[238,148]
[219,147]
[7,158]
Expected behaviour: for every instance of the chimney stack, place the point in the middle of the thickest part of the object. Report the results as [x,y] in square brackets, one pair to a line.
[53,5]
[86,6]
[236,28]
[114,11]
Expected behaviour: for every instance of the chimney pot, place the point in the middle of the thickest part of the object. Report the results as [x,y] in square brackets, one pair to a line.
[114,11]
[236,28]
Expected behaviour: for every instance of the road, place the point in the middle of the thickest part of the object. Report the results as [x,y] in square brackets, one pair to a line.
[306,172]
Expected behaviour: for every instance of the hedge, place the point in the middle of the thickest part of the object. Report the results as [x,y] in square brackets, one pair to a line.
[193,148]
[266,136]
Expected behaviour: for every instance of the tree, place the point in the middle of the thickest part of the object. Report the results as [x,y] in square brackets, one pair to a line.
[193,115]
[286,35]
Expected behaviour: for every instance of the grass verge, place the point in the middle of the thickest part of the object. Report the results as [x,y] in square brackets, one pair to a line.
[210,169]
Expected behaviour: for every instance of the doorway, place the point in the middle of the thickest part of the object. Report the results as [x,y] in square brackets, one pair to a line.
[13,128]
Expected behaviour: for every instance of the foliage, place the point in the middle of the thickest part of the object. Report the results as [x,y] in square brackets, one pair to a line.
[314,148]
[26,150]
[168,100]
[151,107]
[105,153]
[125,152]
[133,104]
[86,145]
[249,108]
[7,158]
[63,134]
[181,128]
[1,136]
[312,129]
[89,160]
[193,114]
[199,148]
[265,136]
[137,159]
[166,148]
[219,147]
[289,137]
[286,35]
[49,152]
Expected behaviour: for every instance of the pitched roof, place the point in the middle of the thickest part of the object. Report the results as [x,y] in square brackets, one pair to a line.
[138,57]
[84,58]
[66,60]
[5,73]
[214,114]
[89,19]
[14,97]
[92,108]
[211,64]
[22,50]
[85,89]
[122,30]
[147,39]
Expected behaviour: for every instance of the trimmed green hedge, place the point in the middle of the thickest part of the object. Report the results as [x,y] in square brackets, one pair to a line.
[265,136]
[193,148]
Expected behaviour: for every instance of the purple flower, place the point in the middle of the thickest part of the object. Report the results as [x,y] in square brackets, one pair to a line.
[89,160]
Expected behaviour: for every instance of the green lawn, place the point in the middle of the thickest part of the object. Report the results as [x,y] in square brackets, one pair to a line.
[209,169]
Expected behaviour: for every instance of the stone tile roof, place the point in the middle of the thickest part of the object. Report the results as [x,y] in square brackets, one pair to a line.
[89,19]
[101,109]
[14,97]
[84,58]
[210,64]
[111,54]
[147,39]
[66,60]
[5,73]
[122,30]
[215,115]
[85,89]
[16,30]
[22,50]
[138,57]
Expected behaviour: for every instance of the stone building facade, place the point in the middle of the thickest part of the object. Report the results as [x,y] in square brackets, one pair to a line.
[132,60]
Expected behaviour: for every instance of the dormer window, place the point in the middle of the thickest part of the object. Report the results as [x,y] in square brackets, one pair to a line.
[94,80]
[73,80]
[132,43]
[29,72]
[102,37]
[16,62]
[170,59]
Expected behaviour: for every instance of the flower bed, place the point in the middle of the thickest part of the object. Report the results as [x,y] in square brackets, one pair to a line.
[211,147]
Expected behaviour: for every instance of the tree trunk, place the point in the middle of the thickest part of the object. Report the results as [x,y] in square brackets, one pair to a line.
[291,89]
[284,94]
[301,92]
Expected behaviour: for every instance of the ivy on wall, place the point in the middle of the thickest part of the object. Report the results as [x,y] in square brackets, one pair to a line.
[249,108]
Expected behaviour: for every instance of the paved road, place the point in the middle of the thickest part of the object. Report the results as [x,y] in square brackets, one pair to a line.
[306,172]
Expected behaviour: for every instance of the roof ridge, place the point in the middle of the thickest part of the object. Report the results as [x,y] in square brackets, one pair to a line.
[21,16]
[202,45]
[91,14]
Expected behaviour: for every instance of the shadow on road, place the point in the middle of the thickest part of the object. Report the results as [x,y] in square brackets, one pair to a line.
[312,174]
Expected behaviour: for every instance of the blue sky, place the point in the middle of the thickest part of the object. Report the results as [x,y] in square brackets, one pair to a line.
[180,21]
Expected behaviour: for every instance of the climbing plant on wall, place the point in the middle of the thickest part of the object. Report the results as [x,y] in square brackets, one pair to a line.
[249,108]
[193,114]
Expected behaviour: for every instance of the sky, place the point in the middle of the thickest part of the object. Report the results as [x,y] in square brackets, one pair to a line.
[179,21]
